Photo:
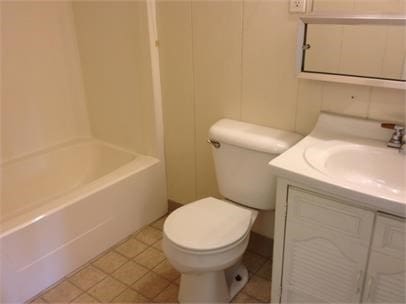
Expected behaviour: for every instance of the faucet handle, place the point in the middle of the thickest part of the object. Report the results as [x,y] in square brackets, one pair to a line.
[396,140]
[392,126]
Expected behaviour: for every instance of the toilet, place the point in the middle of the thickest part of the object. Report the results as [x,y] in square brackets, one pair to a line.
[206,239]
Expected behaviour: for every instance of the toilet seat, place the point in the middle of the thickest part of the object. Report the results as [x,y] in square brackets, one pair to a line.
[208,224]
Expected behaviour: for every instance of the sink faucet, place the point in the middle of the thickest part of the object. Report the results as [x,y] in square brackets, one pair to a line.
[397,139]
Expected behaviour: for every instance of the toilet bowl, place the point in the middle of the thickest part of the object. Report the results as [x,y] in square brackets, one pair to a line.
[206,239]
[208,253]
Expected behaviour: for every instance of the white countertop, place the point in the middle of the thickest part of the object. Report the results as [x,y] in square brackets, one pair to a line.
[294,166]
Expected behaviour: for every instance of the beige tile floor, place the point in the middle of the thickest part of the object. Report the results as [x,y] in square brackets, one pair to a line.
[135,270]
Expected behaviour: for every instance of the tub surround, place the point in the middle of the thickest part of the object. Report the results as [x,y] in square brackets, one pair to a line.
[43,100]
[113,43]
[58,86]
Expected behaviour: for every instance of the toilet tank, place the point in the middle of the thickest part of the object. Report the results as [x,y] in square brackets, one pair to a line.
[241,160]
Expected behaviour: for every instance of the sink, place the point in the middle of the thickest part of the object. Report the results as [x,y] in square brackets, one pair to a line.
[347,157]
[369,165]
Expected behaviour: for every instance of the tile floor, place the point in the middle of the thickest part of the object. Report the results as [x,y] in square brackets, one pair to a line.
[135,270]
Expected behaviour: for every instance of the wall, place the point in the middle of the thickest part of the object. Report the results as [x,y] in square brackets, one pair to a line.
[114,50]
[236,59]
[42,96]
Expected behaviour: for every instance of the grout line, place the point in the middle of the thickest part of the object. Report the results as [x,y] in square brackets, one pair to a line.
[143,276]
[132,290]
[128,286]
[84,292]
[164,290]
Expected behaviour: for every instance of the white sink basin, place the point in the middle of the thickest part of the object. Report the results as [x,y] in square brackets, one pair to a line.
[366,164]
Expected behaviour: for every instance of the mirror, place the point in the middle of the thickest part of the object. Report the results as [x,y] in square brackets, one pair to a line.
[369,50]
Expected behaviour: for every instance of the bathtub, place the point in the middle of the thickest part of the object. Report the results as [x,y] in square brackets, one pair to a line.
[63,206]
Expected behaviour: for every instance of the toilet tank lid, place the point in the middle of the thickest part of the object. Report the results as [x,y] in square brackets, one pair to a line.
[253,137]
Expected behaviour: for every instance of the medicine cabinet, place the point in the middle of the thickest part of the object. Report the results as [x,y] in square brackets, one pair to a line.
[356,49]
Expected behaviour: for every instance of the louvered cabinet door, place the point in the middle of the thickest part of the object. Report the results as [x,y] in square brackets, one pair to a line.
[326,249]
[386,275]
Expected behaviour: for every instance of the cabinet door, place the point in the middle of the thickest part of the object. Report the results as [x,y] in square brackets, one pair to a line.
[386,274]
[326,249]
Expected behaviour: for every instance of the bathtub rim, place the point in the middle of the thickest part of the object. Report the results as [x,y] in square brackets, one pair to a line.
[18,222]
[62,145]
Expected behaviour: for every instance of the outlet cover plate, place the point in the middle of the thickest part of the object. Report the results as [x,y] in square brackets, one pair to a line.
[297,6]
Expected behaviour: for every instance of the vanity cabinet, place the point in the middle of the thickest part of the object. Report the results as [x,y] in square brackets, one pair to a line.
[385,280]
[336,252]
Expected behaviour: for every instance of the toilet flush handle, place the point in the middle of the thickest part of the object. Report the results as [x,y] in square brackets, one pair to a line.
[214,143]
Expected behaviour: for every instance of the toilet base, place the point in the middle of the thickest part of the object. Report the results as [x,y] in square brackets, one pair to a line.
[213,287]
[237,277]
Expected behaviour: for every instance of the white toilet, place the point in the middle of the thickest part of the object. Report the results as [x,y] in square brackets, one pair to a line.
[205,240]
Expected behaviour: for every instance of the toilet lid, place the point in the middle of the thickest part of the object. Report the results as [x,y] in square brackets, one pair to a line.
[207,224]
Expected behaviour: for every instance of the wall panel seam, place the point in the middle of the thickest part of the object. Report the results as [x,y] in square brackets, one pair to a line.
[193,101]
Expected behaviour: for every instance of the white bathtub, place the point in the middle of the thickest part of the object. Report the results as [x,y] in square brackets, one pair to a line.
[63,206]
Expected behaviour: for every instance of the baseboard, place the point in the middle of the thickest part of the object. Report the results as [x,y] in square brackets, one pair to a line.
[261,245]
[172,205]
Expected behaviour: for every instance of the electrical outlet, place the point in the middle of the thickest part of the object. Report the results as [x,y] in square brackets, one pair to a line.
[297,6]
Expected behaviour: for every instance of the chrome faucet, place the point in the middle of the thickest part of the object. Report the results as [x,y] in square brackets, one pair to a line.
[397,139]
[402,148]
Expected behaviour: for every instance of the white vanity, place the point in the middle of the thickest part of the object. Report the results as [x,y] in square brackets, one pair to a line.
[340,223]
